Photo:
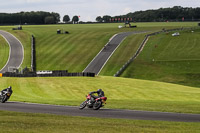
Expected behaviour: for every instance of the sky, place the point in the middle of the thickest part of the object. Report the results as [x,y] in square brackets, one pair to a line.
[88,10]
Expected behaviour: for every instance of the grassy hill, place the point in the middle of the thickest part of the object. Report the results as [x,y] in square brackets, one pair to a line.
[169,59]
[4,52]
[75,50]
[121,92]
[71,51]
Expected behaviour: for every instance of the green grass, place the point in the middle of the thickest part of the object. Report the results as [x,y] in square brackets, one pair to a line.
[121,92]
[45,123]
[71,51]
[75,50]
[169,59]
[4,52]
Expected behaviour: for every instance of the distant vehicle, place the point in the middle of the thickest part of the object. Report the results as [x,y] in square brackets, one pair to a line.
[176,34]
[19,27]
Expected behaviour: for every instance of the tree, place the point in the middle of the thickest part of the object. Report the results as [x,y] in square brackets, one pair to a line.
[66,19]
[106,18]
[56,17]
[49,20]
[99,19]
[75,19]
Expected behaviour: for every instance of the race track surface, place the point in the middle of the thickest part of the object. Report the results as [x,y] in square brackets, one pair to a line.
[16,55]
[103,56]
[102,113]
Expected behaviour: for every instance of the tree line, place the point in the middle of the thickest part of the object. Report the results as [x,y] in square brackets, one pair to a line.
[38,17]
[176,13]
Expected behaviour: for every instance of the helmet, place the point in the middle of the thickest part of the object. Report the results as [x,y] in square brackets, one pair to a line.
[99,90]
[9,87]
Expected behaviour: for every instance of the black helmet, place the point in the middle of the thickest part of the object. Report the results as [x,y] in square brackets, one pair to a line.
[99,90]
[9,87]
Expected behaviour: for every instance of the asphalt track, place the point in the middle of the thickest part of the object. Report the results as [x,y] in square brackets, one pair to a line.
[16,54]
[103,56]
[102,113]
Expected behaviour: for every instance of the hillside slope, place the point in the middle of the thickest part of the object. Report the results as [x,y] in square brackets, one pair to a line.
[173,59]
[169,59]
[73,51]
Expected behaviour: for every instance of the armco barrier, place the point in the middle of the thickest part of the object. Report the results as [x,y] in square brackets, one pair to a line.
[121,70]
[33,74]
[33,54]
[132,58]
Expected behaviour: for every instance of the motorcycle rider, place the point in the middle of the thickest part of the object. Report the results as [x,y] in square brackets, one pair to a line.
[9,89]
[100,93]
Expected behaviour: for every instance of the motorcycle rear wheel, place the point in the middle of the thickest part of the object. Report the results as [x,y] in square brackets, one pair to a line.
[97,105]
[83,105]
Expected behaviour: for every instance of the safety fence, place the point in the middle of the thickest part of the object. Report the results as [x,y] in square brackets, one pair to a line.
[33,54]
[33,74]
[121,70]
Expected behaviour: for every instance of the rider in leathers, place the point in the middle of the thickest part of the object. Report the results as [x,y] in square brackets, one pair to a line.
[9,89]
[99,92]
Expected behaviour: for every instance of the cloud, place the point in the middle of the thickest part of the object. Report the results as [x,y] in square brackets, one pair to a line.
[33,1]
[127,10]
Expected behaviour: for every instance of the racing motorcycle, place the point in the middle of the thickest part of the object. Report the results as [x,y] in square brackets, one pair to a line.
[5,95]
[95,104]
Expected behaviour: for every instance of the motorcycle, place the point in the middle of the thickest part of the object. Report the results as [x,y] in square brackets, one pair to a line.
[95,104]
[5,95]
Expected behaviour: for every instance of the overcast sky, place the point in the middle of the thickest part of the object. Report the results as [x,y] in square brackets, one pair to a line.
[88,10]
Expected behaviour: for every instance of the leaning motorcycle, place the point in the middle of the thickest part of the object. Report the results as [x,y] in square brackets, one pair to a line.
[97,104]
[5,95]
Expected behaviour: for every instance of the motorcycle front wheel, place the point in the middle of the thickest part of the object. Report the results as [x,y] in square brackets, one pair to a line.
[3,99]
[83,105]
[97,105]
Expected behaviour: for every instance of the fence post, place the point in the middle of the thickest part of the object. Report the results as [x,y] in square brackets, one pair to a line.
[33,54]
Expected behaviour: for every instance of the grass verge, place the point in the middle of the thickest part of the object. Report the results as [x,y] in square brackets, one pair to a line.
[45,123]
